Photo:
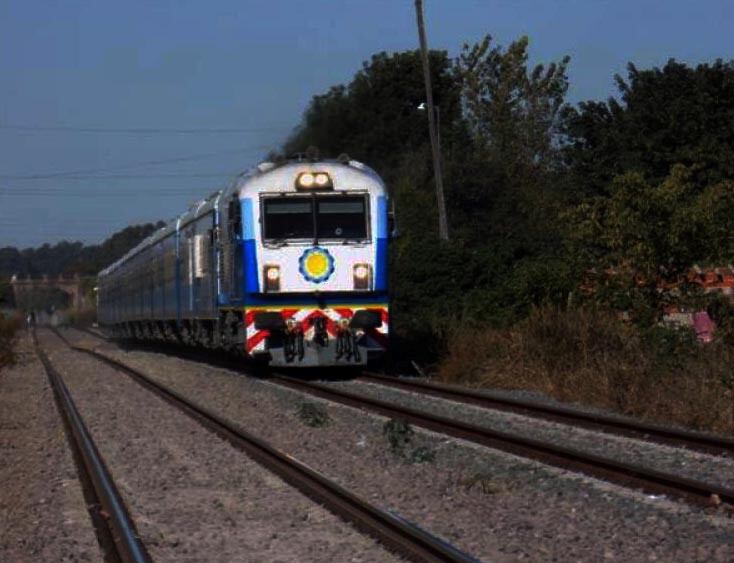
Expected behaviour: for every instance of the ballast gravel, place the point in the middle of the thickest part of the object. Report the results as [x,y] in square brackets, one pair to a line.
[492,505]
[718,470]
[43,514]
[192,495]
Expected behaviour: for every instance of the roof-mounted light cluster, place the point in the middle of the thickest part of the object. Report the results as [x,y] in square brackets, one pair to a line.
[314,181]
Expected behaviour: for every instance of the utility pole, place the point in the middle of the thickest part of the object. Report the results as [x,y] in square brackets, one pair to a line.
[443,225]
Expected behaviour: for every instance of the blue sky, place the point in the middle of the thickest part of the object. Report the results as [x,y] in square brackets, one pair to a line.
[250,65]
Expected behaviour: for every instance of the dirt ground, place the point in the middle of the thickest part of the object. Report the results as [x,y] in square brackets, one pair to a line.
[43,514]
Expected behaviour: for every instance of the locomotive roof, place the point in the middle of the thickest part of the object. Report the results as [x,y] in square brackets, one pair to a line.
[265,177]
[270,177]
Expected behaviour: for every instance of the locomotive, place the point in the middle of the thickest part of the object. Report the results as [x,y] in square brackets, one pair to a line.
[288,265]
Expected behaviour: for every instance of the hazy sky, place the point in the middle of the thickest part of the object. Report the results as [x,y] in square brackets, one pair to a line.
[250,65]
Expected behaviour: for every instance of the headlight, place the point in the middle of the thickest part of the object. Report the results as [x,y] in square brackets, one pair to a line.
[321,179]
[362,275]
[306,180]
[314,181]
[272,278]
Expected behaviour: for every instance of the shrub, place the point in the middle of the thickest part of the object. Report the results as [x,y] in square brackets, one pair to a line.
[588,355]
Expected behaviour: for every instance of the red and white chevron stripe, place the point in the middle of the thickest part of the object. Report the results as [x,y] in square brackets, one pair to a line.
[255,339]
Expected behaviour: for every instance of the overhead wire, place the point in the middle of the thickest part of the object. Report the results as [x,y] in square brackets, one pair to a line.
[141,164]
[143,130]
[101,173]
[126,176]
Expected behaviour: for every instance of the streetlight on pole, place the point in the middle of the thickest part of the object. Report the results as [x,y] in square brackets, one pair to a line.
[433,117]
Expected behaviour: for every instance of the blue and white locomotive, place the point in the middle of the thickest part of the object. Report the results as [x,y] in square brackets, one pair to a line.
[288,264]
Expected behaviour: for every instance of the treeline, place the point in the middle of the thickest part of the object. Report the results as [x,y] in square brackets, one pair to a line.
[548,203]
[67,258]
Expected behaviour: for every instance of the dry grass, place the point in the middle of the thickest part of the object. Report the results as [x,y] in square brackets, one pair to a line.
[590,357]
[8,329]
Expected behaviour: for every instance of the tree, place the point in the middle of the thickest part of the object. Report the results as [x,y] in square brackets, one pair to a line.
[374,118]
[647,235]
[514,113]
[70,258]
[510,193]
[668,116]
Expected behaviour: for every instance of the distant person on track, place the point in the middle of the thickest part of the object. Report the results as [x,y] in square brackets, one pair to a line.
[31,321]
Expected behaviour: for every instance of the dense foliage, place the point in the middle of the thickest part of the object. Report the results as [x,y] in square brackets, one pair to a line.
[540,194]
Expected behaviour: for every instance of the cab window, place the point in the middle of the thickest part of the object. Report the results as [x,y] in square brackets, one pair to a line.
[288,218]
[315,218]
[341,218]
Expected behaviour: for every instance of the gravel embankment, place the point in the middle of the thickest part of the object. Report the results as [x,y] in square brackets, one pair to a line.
[192,495]
[488,503]
[43,515]
[695,465]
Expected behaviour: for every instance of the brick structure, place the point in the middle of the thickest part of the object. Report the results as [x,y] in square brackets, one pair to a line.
[71,286]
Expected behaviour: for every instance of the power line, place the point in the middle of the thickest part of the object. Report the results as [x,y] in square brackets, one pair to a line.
[143,130]
[124,193]
[137,164]
[124,176]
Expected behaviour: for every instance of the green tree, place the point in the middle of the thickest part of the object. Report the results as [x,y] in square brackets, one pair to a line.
[668,116]
[514,113]
[375,118]
[514,119]
[646,234]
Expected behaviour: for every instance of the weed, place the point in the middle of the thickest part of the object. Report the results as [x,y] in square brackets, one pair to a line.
[422,454]
[483,483]
[398,434]
[313,414]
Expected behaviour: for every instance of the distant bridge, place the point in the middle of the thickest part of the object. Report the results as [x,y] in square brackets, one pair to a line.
[25,288]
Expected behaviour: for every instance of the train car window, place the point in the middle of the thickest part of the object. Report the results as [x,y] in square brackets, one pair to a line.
[341,218]
[288,218]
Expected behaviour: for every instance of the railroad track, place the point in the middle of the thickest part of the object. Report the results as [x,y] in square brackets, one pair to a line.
[699,441]
[115,529]
[396,533]
[625,474]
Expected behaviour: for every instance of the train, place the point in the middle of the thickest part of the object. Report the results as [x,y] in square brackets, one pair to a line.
[287,266]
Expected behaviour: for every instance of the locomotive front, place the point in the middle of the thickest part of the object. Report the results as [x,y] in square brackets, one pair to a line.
[314,262]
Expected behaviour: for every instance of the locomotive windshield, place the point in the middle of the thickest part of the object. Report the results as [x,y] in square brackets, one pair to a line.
[324,217]
[288,218]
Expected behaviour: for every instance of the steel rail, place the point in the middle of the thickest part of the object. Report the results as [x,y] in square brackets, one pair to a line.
[393,531]
[628,475]
[699,441]
[625,474]
[125,540]
[707,443]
